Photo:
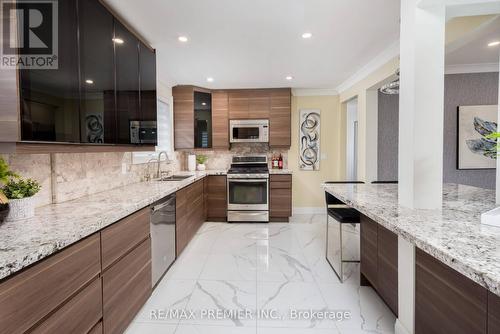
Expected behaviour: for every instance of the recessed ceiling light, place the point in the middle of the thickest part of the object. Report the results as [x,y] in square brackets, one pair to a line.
[182,39]
[495,43]
[203,103]
[89,81]
[118,40]
[210,79]
[289,77]
[306,35]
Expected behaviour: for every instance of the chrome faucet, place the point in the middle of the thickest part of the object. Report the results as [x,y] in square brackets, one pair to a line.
[159,174]
[148,175]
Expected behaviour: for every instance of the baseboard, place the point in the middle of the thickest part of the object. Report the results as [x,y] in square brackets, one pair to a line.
[304,210]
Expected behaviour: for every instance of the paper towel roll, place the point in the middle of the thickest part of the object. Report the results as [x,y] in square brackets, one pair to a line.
[191,162]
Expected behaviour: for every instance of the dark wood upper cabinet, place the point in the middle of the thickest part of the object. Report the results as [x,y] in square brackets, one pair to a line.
[127,81]
[97,104]
[50,97]
[446,301]
[147,67]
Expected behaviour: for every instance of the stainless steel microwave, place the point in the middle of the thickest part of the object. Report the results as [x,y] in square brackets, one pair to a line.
[249,131]
[143,132]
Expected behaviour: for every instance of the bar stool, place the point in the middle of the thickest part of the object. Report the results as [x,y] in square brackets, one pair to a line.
[342,233]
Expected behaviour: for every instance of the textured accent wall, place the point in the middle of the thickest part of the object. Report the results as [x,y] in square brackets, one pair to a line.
[460,89]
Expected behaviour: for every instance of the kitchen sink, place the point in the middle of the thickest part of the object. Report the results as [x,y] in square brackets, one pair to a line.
[175,178]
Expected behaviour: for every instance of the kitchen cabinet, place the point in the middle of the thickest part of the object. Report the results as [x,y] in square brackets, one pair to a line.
[217,198]
[493,313]
[379,261]
[369,251]
[97,102]
[280,118]
[147,70]
[238,102]
[96,285]
[192,118]
[249,104]
[387,275]
[446,301]
[50,98]
[127,81]
[126,287]
[280,197]
[79,315]
[33,294]
[106,78]
[118,239]
[220,120]
[189,214]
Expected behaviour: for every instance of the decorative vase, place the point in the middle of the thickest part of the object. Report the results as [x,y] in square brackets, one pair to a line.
[201,167]
[19,209]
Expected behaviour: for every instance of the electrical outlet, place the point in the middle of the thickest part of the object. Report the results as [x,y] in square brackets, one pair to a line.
[324,156]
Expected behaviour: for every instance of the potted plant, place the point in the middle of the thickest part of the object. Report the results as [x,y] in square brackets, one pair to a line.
[18,193]
[200,160]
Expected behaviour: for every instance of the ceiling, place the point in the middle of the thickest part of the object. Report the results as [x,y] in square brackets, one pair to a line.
[473,49]
[257,43]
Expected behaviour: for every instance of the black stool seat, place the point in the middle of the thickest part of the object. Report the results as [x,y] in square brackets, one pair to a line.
[344,215]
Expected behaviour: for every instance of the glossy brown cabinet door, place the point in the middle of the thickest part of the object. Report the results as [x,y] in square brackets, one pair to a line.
[280,118]
[446,301]
[119,238]
[493,313]
[387,281]
[79,315]
[217,198]
[126,287]
[34,293]
[220,120]
[280,197]
[369,251]
[183,116]
[189,214]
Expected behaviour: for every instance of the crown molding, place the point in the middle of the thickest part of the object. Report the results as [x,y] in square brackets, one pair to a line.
[314,92]
[471,68]
[389,53]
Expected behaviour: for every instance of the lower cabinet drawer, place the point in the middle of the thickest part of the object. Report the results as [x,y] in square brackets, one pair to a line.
[126,287]
[33,294]
[79,315]
[493,313]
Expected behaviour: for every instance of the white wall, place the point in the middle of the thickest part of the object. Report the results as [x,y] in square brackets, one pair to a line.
[351,139]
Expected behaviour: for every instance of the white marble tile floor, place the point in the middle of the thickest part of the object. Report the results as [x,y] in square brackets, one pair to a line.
[260,279]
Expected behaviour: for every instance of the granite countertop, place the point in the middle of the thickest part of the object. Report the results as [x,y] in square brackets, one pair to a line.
[453,235]
[56,226]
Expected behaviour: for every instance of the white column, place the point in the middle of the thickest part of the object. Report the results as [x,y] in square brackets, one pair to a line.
[421,107]
[405,324]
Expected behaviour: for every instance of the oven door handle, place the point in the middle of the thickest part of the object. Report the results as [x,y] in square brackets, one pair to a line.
[247,180]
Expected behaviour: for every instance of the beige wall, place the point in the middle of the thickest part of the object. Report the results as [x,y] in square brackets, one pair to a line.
[307,191]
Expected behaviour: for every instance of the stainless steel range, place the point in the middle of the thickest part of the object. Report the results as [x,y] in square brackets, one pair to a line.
[248,189]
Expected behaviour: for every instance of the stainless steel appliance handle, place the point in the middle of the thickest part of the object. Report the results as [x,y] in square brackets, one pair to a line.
[162,205]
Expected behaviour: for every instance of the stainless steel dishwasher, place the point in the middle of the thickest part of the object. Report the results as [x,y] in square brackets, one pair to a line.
[162,236]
